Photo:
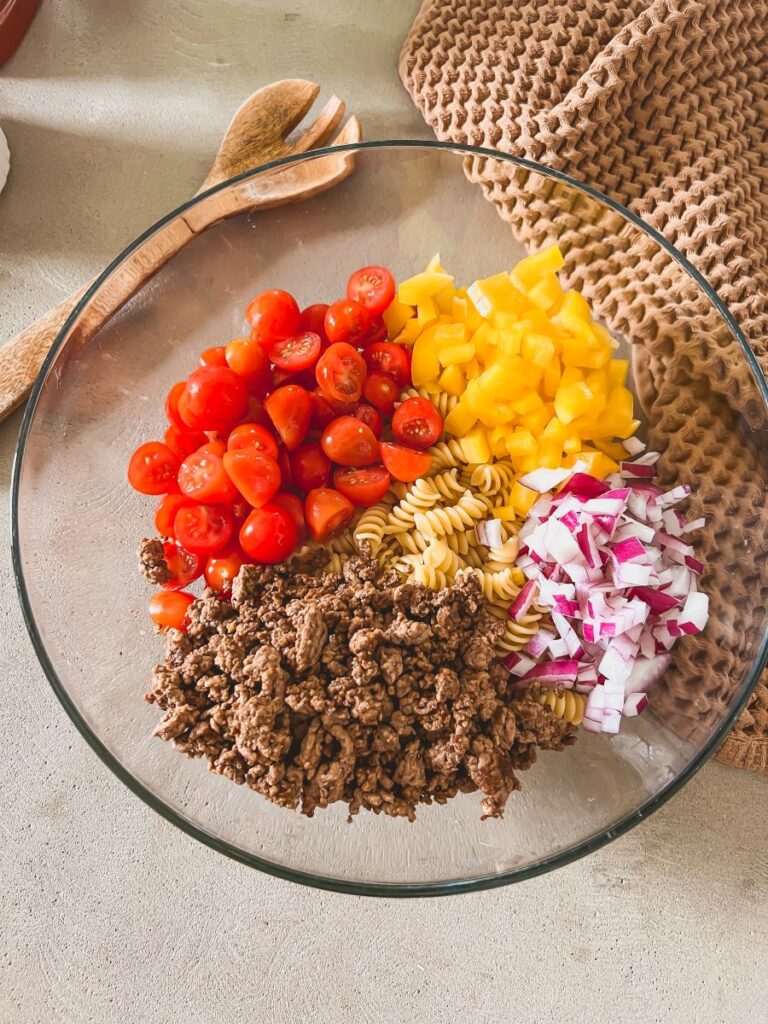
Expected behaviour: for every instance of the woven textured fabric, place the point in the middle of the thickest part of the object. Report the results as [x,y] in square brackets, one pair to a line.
[663,106]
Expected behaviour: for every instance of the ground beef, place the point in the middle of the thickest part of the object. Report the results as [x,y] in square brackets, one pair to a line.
[152,561]
[356,687]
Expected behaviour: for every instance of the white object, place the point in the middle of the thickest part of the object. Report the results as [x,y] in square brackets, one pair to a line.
[5,160]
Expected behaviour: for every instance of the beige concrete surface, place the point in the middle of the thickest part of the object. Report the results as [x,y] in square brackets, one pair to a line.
[107,912]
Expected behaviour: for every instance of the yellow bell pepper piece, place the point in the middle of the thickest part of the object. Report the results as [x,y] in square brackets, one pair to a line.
[579,352]
[435,266]
[550,456]
[551,379]
[409,333]
[452,355]
[571,444]
[420,287]
[461,418]
[497,438]
[495,414]
[520,443]
[530,401]
[546,293]
[571,375]
[485,340]
[475,446]
[521,498]
[537,420]
[444,299]
[597,463]
[472,369]
[396,315]
[616,372]
[450,334]
[425,365]
[496,293]
[452,380]
[538,349]
[613,449]
[507,513]
[530,270]
[500,382]
[426,312]
[572,401]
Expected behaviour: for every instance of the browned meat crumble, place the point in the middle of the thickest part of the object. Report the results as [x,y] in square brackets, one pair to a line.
[152,563]
[357,688]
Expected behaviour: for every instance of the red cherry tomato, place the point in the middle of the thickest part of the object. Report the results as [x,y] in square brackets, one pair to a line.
[347,320]
[255,412]
[183,564]
[387,357]
[172,405]
[313,319]
[340,373]
[374,287]
[269,534]
[350,442]
[290,409]
[183,442]
[165,513]
[202,477]
[272,315]
[169,608]
[215,356]
[215,398]
[293,504]
[153,468]
[304,378]
[252,435]
[298,352]
[382,391]
[417,423]
[310,467]
[370,416]
[322,411]
[217,447]
[327,512]
[377,332]
[249,360]
[256,476]
[221,569]
[404,463]
[363,487]
[203,529]
[286,473]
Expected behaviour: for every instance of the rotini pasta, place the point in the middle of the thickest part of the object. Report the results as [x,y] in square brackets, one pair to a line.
[438,555]
[429,577]
[344,544]
[446,455]
[336,561]
[492,478]
[497,587]
[566,705]
[439,522]
[371,524]
[419,497]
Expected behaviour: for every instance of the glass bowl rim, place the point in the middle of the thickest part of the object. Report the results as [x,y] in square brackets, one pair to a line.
[327,882]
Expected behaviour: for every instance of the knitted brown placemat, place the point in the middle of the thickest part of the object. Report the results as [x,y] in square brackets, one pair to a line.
[662,105]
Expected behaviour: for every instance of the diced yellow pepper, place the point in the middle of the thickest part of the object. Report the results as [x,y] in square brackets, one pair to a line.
[554,431]
[572,444]
[409,333]
[530,270]
[521,498]
[426,312]
[507,513]
[597,382]
[520,443]
[452,380]
[571,375]
[528,464]
[572,401]
[538,349]
[530,401]
[496,293]
[396,315]
[475,446]
[461,418]
[536,420]
[420,287]
[485,340]
[444,299]
[500,382]
[451,355]
[511,340]
[459,308]
[617,371]
[612,449]
[597,463]
[604,336]
[436,267]
[617,419]
[550,456]
[472,369]
[551,380]
[546,294]
[495,414]
[450,334]
[425,365]
[497,438]
[579,352]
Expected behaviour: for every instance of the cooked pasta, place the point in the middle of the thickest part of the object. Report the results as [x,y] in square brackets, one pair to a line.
[492,478]
[336,562]
[344,544]
[497,587]
[446,455]
[566,705]
[371,525]
[429,577]
[438,555]
[517,634]
[439,522]
[444,484]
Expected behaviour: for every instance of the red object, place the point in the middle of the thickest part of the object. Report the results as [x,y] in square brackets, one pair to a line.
[290,409]
[153,468]
[350,442]
[203,530]
[169,608]
[404,463]
[256,476]
[220,570]
[183,565]
[15,18]
[362,486]
[348,321]
[269,534]
[340,373]
[327,512]
[373,287]
[386,357]
[417,423]
[310,467]
[296,353]
[382,391]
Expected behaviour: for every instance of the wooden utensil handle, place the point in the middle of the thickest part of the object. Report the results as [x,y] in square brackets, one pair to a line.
[21,358]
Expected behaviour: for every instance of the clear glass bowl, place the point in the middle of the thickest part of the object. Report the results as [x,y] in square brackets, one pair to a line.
[76,523]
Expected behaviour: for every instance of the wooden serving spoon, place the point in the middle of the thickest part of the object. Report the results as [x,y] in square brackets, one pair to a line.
[257,134]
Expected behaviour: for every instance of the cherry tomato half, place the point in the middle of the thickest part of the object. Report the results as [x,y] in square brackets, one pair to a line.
[203,529]
[172,405]
[183,442]
[215,356]
[376,333]
[165,513]
[152,469]
[340,373]
[417,423]
[347,320]
[249,360]
[298,352]
[322,411]
[273,315]
[169,608]
[269,534]
[215,398]
[252,435]
[350,442]
[202,477]
[293,504]
[327,512]
[215,447]
[221,569]
[404,463]
[382,391]
[310,467]
[290,409]
[183,564]
[304,378]
[286,473]
[313,319]
[370,416]
[363,487]
[387,357]
[373,287]
[256,476]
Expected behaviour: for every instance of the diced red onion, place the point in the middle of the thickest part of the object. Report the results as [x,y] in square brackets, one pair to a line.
[541,480]
[633,446]
[518,664]
[523,601]
[634,704]
[561,673]
[490,533]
